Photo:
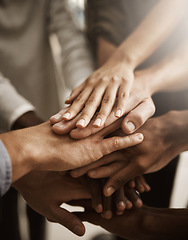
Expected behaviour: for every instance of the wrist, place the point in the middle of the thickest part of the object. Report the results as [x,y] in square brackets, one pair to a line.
[176,127]
[19,152]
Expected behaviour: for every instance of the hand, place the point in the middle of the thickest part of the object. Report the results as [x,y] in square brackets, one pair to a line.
[113,79]
[125,198]
[138,109]
[144,223]
[40,149]
[46,191]
[147,157]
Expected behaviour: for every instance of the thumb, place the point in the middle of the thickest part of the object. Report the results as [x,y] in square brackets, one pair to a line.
[68,220]
[90,216]
[112,144]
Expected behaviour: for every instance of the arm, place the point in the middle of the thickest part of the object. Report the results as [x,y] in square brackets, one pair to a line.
[37,148]
[12,106]
[169,131]
[116,76]
[145,223]
[77,61]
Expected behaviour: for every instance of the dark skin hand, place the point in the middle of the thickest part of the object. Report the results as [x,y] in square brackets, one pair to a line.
[168,139]
[144,223]
[125,198]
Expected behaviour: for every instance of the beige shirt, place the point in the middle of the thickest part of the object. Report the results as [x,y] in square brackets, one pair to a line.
[26,63]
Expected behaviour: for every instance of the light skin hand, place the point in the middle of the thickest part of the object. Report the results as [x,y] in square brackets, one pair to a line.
[40,149]
[113,79]
[46,191]
[146,157]
[139,108]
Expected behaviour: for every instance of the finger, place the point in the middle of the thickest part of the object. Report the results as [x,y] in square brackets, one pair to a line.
[97,193]
[107,206]
[79,133]
[64,127]
[91,106]
[75,93]
[58,116]
[121,178]
[138,116]
[109,145]
[106,105]
[120,201]
[123,96]
[103,161]
[106,171]
[131,183]
[141,184]
[78,103]
[133,196]
[69,220]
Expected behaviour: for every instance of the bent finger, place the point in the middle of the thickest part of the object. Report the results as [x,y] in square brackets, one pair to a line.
[138,116]
[69,220]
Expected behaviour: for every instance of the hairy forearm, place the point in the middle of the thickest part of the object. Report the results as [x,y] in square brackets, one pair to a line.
[151,32]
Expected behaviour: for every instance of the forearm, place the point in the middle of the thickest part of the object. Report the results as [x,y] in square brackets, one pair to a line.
[170,74]
[18,149]
[151,32]
[165,223]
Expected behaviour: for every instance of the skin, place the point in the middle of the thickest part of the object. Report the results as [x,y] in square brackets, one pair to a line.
[55,152]
[169,131]
[125,198]
[144,223]
[116,76]
[46,191]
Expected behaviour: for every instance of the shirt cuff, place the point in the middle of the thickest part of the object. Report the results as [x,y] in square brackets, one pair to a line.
[5,170]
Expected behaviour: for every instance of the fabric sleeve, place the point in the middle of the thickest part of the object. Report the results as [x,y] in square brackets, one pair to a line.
[12,104]
[5,170]
[77,61]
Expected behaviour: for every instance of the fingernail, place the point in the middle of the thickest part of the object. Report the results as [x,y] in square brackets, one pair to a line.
[121,205]
[81,123]
[118,113]
[107,214]
[75,173]
[131,127]
[99,208]
[91,173]
[57,116]
[78,230]
[66,116]
[59,124]
[140,136]
[139,203]
[97,122]
[67,99]
[109,191]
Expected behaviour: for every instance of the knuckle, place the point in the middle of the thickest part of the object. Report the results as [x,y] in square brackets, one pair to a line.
[107,99]
[120,180]
[104,79]
[80,99]
[116,142]
[115,79]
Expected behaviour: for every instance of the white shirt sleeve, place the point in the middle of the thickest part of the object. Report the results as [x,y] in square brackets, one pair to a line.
[77,60]
[12,104]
